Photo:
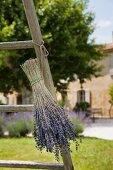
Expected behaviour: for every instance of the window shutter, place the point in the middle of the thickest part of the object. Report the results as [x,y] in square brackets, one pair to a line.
[87,96]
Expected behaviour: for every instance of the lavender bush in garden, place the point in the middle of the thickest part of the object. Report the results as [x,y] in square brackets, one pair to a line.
[79,120]
[2,123]
[19,124]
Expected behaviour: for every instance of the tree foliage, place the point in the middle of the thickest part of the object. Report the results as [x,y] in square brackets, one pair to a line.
[66,28]
[111,94]
[111,98]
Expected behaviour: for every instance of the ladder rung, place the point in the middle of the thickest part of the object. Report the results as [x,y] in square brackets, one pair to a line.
[16,108]
[16,45]
[31,165]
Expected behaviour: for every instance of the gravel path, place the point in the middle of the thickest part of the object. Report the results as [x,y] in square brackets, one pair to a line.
[99,130]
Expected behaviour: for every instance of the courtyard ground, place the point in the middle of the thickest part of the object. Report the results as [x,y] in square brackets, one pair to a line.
[102,128]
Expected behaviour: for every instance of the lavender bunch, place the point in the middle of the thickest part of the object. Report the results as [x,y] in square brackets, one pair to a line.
[52,128]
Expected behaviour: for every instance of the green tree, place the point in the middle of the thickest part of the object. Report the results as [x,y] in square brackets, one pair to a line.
[66,27]
[111,98]
[13,27]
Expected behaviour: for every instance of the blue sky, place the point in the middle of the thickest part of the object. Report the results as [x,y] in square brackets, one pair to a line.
[103,10]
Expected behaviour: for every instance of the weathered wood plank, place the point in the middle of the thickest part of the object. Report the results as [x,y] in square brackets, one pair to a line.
[30,164]
[16,45]
[16,108]
[37,39]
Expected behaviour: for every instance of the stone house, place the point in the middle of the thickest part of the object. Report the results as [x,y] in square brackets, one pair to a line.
[95,91]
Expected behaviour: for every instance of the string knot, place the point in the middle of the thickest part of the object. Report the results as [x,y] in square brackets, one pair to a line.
[43,49]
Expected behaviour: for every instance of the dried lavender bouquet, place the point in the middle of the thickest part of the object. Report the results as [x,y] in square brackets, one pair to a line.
[52,128]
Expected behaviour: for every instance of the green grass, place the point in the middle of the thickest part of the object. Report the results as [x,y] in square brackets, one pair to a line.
[93,154]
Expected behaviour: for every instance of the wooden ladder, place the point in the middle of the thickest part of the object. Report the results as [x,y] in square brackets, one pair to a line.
[36,39]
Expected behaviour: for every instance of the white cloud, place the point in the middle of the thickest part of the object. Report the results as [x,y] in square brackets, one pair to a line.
[105,23]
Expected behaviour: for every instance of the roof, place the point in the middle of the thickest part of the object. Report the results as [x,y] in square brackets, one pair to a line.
[108,47]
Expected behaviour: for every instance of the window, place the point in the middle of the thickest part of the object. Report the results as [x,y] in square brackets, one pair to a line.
[84,96]
[81,96]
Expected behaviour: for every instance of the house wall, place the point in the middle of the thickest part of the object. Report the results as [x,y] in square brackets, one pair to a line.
[98,87]
[3,99]
[10,99]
